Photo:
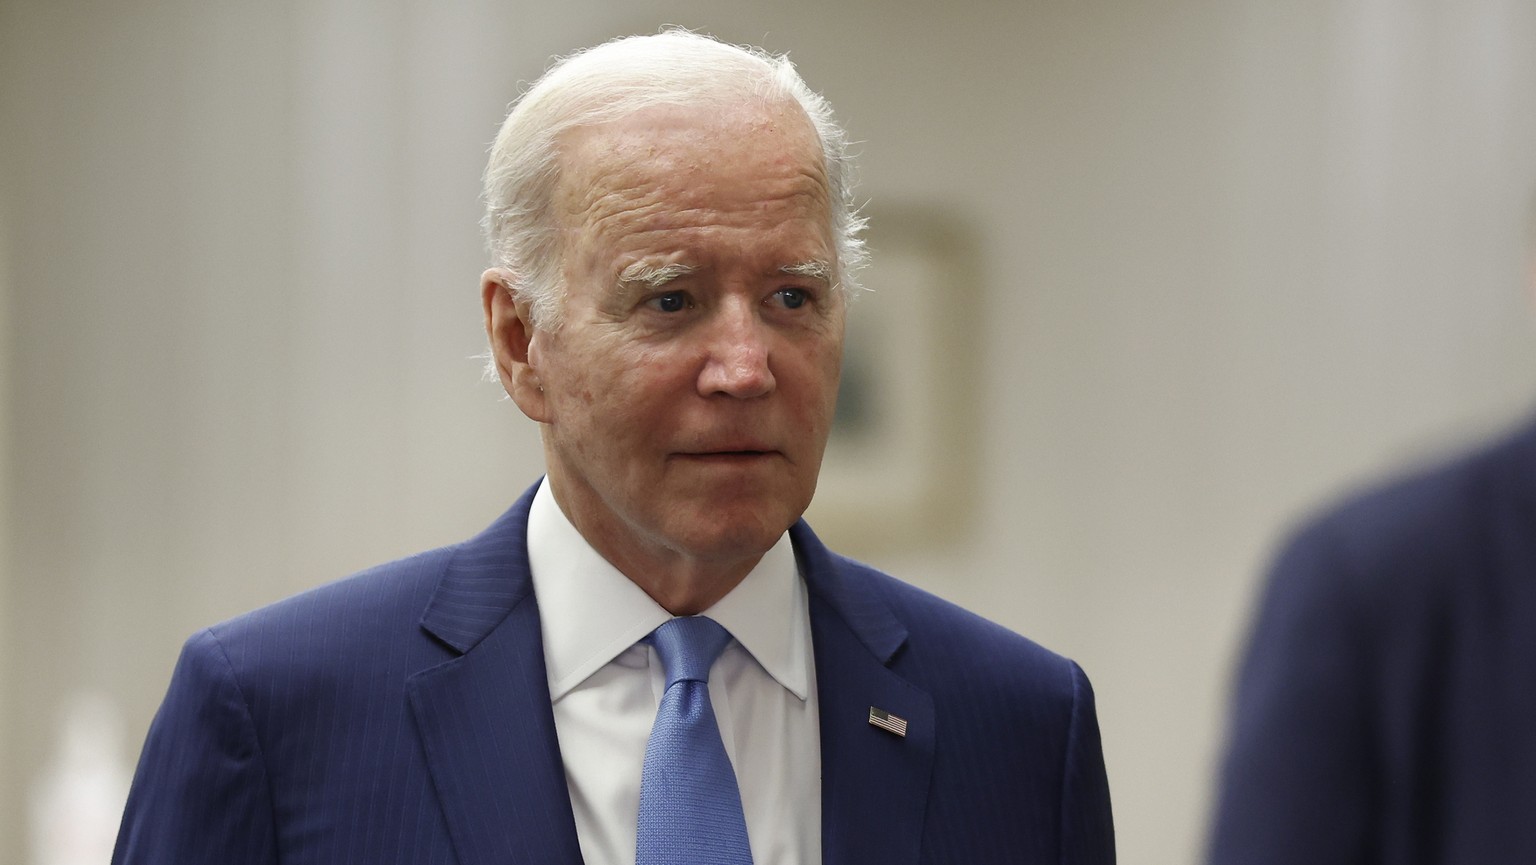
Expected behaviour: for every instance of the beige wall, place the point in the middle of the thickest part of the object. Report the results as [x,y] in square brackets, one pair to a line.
[1230,257]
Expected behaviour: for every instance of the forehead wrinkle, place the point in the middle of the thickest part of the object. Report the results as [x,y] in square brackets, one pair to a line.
[657,187]
[652,205]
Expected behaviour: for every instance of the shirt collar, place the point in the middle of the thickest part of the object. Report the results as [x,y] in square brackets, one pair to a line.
[591,613]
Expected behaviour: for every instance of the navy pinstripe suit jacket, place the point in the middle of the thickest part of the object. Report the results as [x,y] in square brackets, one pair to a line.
[403,715]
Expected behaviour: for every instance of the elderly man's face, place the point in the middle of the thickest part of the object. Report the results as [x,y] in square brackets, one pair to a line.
[689,392]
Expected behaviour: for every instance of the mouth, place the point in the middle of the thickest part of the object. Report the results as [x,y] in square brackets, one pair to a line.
[729,455]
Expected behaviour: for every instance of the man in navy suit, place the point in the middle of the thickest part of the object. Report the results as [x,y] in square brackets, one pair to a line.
[1386,710]
[674,243]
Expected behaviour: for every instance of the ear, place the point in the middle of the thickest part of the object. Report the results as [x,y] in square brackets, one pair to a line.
[509,327]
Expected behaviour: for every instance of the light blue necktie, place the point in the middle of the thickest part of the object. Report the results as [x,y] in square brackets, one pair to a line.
[690,806]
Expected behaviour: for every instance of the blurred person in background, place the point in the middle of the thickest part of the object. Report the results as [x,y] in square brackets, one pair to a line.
[649,658]
[1385,711]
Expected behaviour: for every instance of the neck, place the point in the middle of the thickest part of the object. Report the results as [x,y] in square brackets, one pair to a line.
[680,581]
[687,590]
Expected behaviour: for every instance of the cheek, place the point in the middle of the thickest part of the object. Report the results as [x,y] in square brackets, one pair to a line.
[829,370]
[612,398]
[811,390]
[834,369]
[576,376]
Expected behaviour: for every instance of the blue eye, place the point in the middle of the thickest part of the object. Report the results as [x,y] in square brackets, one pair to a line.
[793,298]
[672,301]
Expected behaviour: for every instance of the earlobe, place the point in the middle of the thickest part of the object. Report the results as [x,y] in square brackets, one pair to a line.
[509,327]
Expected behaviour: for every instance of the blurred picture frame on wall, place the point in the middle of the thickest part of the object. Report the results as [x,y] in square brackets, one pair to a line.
[900,468]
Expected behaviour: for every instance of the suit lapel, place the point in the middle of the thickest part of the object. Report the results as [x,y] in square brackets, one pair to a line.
[489,733]
[484,717]
[874,788]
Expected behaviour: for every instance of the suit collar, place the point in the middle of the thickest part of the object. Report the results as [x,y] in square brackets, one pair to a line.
[488,729]
[874,789]
[864,613]
[489,575]
[484,717]
[486,578]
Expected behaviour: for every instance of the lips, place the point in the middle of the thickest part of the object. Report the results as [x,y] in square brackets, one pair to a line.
[734,452]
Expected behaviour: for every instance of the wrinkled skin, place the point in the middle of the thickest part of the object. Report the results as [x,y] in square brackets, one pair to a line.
[687,395]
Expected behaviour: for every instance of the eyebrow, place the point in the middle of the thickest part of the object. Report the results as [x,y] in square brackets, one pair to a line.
[814,269]
[652,276]
[655,276]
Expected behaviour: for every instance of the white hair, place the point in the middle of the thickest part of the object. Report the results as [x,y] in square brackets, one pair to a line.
[614,80]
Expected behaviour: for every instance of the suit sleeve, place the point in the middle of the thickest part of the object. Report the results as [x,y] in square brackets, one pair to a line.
[201,791]
[1087,830]
[1296,784]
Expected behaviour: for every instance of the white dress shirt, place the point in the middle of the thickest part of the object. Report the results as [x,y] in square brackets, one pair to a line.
[605,691]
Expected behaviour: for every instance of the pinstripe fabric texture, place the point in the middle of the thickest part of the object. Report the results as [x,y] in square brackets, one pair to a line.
[403,715]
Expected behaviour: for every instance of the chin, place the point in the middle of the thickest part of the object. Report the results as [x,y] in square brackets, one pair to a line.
[725,533]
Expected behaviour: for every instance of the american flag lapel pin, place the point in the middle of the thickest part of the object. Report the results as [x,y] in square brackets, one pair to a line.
[888,722]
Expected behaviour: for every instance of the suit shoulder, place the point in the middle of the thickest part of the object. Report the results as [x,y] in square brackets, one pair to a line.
[957,645]
[349,614]
[1437,514]
[1405,551]
[1443,495]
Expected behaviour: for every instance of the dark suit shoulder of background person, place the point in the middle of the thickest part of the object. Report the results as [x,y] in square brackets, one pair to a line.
[1384,711]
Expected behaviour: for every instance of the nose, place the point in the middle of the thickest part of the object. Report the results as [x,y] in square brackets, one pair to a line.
[736,355]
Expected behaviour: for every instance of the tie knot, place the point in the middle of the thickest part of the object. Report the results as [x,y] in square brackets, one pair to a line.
[688,646]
